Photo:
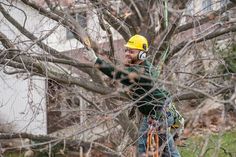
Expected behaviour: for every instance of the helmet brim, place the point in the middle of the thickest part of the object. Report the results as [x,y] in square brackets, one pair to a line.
[132,47]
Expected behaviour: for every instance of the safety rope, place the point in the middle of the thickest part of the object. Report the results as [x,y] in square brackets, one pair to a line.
[165,54]
[152,131]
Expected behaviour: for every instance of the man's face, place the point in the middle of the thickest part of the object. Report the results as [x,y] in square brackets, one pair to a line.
[131,56]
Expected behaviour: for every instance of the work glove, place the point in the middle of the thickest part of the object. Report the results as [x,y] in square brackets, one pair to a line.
[90,55]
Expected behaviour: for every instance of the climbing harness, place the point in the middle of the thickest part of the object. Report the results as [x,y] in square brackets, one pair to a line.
[154,127]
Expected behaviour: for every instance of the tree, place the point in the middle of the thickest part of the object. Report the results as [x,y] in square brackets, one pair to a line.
[159,21]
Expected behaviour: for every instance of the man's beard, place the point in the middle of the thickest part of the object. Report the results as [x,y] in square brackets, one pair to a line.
[130,61]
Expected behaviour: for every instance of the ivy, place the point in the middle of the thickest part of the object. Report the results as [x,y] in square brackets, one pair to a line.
[229,57]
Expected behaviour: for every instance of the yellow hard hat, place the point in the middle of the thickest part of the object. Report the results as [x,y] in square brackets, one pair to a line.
[137,42]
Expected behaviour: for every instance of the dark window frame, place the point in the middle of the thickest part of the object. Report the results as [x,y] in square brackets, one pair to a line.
[207,5]
[81,18]
[190,7]
[223,2]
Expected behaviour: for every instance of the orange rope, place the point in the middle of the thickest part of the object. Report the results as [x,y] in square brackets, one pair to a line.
[149,139]
[157,144]
[149,142]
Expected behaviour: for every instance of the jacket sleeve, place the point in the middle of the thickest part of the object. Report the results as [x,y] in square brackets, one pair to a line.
[116,74]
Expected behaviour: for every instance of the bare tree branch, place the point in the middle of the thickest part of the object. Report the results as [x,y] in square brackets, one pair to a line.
[45,47]
[166,36]
[5,41]
[114,21]
[106,28]
[207,18]
[194,95]
[204,38]
[233,1]
[62,18]
[132,17]
[37,68]
[30,35]
[73,145]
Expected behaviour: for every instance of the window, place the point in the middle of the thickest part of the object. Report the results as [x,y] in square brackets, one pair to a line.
[80,1]
[223,2]
[206,5]
[190,8]
[60,101]
[81,18]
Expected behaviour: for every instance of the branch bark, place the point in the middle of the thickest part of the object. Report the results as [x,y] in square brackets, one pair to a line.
[45,47]
[204,38]
[195,95]
[5,41]
[30,35]
[67,21]
[207,18]
[72,145]
[35,67]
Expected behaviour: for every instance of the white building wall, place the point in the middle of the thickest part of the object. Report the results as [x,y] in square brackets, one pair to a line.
[59,41]
[199,9]
[23,102]
[196,10]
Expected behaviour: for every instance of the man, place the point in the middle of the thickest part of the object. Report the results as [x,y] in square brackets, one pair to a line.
[138,75]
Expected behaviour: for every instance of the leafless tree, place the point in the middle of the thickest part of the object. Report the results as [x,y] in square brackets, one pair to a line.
[172,43]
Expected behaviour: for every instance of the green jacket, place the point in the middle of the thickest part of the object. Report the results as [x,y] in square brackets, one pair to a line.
[149,104]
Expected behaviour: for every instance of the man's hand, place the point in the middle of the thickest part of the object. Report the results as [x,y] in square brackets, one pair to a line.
[90,55]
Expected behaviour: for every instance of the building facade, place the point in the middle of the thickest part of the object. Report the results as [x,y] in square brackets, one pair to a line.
[27,102]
